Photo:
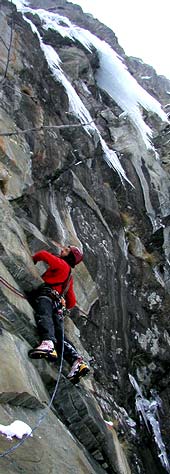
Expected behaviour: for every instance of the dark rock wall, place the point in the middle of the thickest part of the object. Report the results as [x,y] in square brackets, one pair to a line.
[55,185]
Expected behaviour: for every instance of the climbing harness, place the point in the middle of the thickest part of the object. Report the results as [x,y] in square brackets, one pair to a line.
[59,305]
[4,282]
[10,450]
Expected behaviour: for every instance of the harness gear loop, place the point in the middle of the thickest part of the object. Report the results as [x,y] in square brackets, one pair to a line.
[59,299]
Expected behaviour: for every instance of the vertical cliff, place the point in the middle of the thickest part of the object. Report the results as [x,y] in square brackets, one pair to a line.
[84,159]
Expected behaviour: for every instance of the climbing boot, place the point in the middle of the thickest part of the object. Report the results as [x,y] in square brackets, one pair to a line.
[78,370]
[45,350]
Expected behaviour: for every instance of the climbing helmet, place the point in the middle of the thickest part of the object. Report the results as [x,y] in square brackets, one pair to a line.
[78,254]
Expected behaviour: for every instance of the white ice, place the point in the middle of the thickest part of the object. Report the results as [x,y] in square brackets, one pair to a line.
[148,412]
[20,4]
[76,106]
[112,74]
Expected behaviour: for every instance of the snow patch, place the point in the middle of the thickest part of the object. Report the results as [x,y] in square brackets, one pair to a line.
[17,428]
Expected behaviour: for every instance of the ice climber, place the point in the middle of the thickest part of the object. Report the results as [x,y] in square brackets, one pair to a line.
[49,307]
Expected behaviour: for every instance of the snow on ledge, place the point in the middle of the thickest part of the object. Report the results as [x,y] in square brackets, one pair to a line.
[17,428]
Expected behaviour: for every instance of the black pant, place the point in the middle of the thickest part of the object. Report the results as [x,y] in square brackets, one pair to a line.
[50,327]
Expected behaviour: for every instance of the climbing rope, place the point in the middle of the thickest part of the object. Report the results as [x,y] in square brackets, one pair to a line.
[4,282]
[11,287]
[46,127]
[10,450]
[42,418]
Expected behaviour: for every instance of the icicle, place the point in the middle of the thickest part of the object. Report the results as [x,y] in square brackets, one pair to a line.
[75,104]
[112,74]
[77,107]
[148,412]
[56,215]
[113,161]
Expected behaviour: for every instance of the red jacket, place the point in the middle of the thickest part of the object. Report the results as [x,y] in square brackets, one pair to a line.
[57,272]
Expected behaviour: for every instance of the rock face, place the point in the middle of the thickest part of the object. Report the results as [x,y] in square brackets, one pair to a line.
[56,186]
